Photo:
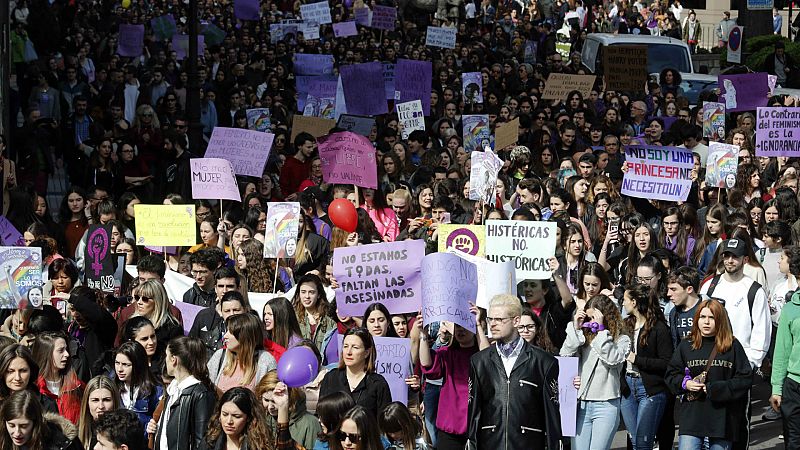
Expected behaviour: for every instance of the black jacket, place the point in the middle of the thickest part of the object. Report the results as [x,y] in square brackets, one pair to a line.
[199,297]
[63,434]
[652,360]
[97,338]
[188,419]
[517,412]
[209,327]
[372,392]
[720,413]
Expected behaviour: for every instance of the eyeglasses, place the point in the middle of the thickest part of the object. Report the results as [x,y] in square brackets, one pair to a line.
[498,319]
[529,328]
[136,298]
[342,436]
[645,279]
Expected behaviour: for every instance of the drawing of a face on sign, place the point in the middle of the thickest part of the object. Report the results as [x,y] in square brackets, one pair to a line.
[464,241]
[35,297]
[290,248]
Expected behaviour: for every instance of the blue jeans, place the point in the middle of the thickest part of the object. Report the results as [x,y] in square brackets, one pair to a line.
[430,397]
[597,424]
[686,442]
[642,413]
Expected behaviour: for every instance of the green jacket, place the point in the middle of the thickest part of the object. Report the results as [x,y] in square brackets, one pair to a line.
[786,360]
[325,324]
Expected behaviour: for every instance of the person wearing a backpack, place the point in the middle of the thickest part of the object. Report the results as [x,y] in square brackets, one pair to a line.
[746,304]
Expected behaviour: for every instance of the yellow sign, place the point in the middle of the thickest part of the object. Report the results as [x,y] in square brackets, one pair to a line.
[165,225]
[469,239]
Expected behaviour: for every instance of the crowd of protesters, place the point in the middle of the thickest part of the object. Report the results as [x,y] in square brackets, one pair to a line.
[668,306]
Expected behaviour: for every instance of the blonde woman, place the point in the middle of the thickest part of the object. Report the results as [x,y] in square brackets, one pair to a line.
[99,397]
[151,302]
[242,360]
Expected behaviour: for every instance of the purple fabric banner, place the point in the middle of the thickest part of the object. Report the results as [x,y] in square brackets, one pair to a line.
[384,17]
[246,9]
[131,40]
[348,158]
[744,92]
[364,90]
[387,273]
[412,79]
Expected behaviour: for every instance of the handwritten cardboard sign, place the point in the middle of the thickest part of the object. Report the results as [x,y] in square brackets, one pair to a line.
[661,173]
[449,285]
[213,178]
[506,134]
[444,37]
[777,132]
[625,67]
[559,85]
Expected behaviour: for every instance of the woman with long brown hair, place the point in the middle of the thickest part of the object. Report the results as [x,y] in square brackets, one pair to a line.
[312,309]
[57,379]
[712,373]
[257,271]
[242,360]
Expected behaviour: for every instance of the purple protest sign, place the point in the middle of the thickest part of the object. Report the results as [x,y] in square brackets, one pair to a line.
[384,17]
[364,90]
[567,394]
[412,79]
[213,178]
[247,150]
[450,284]
[180,43]
[246,9]
[312,64]
[387,273]
[99,259]
[744,92]
[188,314]
[362,16]
[344,29]
[388,80]
[392,362]
[777,132]
[131,40]
[348,158]
[9,235]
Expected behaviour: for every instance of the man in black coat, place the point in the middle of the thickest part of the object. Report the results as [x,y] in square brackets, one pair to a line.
[513,388]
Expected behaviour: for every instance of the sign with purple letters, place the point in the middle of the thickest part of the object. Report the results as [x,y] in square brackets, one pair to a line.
[344,29]
[388,80]
[131,40]
[364,90]
[412,81]
[777,132]
[247,150]
[387,273]
[213,178]
[348,158]
[319,12]
[744,92]
[246,9]
[567,394]
[384,17]
[660,173]
[312,64]
[363,16]
[449,285]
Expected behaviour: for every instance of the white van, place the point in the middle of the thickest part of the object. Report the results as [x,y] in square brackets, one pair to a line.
[662,52]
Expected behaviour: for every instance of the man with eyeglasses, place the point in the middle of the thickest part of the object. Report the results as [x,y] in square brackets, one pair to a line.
[513,388]
[209,325]
[204,263]
[746,304]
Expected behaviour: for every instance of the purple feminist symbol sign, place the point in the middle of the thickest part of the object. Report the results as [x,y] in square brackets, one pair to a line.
[469,243]
[97,249]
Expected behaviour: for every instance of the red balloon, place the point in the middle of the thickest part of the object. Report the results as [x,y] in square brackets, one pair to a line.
[343,214]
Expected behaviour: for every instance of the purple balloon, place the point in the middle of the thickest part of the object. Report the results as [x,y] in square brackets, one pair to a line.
[348,3]
[297,367]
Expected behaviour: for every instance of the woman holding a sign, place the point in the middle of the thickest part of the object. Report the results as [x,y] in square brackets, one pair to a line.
[356,374]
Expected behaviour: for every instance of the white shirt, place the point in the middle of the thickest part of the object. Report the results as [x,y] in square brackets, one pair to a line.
[677,10]
[174,391]
[469,10]
[508,363]
[754,338]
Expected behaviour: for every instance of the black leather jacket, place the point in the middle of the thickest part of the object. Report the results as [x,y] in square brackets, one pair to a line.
[188,419]
[517,412]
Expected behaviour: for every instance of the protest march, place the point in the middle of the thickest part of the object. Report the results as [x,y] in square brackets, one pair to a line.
[258,224]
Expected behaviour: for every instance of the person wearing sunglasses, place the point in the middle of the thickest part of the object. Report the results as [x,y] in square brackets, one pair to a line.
[358,430]
[151,302]
[516,406]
